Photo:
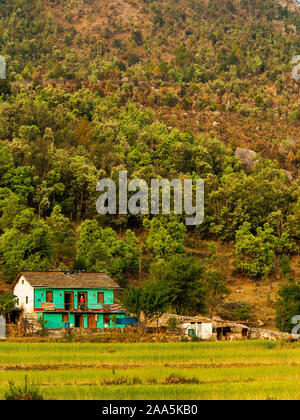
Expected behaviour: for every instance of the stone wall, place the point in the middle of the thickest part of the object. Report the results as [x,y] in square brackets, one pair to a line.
[260,334]
[61,332]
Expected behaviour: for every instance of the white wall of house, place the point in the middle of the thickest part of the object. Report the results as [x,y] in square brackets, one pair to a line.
[25,293]
[203,330]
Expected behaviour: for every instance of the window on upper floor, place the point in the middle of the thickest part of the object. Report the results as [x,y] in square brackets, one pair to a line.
[26,300]
[100,297]
[49,297]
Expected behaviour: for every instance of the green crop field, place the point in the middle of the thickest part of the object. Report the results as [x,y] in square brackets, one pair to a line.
[217,370]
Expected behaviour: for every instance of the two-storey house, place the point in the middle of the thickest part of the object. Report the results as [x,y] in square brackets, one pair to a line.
[84,300]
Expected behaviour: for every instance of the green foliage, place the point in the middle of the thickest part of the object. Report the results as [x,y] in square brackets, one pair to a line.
[28,245]
[100,250]
[285,266]
[26,392]
[10,206]
[288,305]
[149,299]
[165,239]
[114,319]
[132,300]
[243,313]
[63,236]
[238,198]
[154,301]
[216,290]
[181,279]
[75,109]
[43,324]
[255,254]
[7,303]
[172,323]
[212,247]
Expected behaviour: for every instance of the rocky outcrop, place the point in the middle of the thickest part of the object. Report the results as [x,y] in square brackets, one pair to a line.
[247,157]
[289,175]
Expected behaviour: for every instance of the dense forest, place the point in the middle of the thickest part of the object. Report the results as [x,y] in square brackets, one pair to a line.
[167,88]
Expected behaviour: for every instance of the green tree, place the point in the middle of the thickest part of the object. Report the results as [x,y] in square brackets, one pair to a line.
[100,249]
[150,300]
[255,254]
[6,162]
[10,206]
[154,301]
[84,178]
[216,290]
[28,245]
[285,266]
[132,300]
[181,278]
[166,238]
[63,236]
[8,302]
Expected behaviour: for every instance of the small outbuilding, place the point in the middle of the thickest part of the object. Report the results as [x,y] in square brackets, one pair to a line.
[201,329]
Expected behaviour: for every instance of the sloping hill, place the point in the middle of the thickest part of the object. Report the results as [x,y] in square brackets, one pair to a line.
[163,88]
[200,65]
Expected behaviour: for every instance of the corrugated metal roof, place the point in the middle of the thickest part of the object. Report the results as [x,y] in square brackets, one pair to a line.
[69,280]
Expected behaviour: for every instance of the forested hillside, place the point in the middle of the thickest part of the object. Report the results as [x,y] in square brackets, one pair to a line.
[167,88]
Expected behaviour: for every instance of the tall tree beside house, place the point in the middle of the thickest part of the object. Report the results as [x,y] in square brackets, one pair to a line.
[216,290]
[7,303]
[181,278]
[28,245]
[150,300]
[132,300]
[155,301]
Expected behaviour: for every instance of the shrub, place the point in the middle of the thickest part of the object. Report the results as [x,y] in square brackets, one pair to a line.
[23,392]
[255,254]
[172,323]
[179,380]
[43,331]
[285,266]
[243,313]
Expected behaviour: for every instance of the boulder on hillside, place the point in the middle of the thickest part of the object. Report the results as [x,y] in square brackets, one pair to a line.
[289,175]
[247,157]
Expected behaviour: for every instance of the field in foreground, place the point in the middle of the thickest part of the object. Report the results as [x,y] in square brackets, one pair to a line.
[218,370]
